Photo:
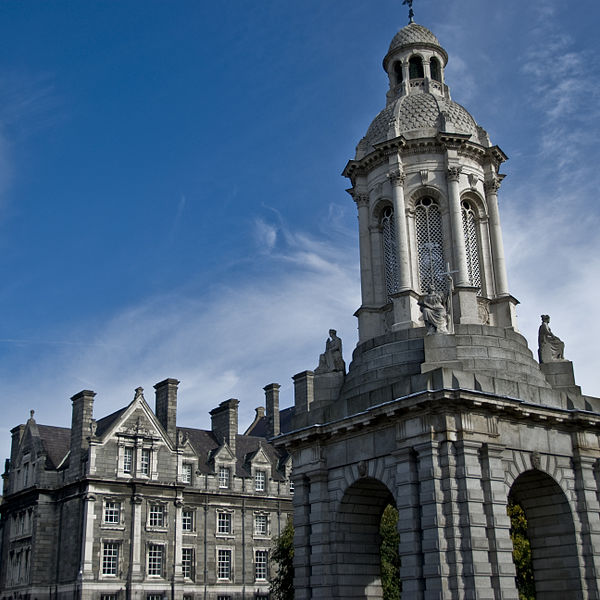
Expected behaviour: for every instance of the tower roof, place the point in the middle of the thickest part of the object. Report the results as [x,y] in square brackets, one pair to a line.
[414,35]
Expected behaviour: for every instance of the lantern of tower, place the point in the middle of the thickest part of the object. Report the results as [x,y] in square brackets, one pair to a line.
[425,180]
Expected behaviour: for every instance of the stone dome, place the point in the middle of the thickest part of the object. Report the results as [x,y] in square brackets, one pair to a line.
[418,112]
[413,34]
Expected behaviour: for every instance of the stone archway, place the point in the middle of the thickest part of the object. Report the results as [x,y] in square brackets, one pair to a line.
[551,532]
[357,539]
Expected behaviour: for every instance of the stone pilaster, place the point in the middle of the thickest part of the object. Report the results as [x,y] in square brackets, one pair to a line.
[397,178]
[498,522]
[409,524]
[178,572]
[135,571]
[87,543]
[302,529]
[364,243]
[321,556]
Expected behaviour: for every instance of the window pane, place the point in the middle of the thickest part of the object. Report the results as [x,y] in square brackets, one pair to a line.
[187,562]
[155,560]
[110,558]
[145,462]
[223,522]
[261,559]
[260,524]
[259,481]
[430,246]
[187,520]
[157,515]
[224,477]
[186,473]
[224,564]
[112,512]
[127,459]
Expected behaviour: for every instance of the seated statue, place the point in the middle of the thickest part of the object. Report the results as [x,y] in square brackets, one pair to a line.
[434,312]
[550,347]
[332,360]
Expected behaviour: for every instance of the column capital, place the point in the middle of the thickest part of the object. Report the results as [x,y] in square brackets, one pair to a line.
[360,197]
[492,185]
[454,173]
[397,177]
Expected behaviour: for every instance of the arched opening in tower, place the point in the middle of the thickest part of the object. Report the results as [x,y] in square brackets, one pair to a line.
[365,560]
[544,542]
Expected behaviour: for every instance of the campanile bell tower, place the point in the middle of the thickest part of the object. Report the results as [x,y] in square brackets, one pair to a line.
[425,179]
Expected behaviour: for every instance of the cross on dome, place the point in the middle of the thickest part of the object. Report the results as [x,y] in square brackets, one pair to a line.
[411,12]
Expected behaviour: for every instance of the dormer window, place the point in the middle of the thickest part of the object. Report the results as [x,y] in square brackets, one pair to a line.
[260,479]
[436,71]
[186,473]
[224,475]
[415,68]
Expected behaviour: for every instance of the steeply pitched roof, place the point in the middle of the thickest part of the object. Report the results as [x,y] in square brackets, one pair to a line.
[104,423]
[56,442]
[285,423]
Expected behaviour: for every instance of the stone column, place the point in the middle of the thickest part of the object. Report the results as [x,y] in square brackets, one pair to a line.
[458,237]
[491,195]
[87,543]
[302,555]
[408,503]
[397,179]
[364,243]
[177,571]
[495,494]
[588,507]
[433,542]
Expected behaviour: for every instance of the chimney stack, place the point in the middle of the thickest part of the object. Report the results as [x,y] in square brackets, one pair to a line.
[166,406]
[225,422]
[272,404]
[81,420]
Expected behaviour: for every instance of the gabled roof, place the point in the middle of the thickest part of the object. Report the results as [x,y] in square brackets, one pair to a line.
[259,427]
[104,423]
[56,442]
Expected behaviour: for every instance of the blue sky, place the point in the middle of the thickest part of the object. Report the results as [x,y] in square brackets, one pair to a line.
[171,202]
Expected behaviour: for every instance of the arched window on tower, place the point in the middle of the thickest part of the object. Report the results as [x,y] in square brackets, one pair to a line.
[390,256]
[430,245]
[415,68]
[398,72]
[436,71]
[471,243]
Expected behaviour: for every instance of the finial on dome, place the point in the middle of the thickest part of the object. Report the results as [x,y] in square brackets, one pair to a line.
[411,12]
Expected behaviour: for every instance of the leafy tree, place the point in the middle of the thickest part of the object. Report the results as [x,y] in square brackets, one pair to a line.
[521,551]
[390,559]
[282,584]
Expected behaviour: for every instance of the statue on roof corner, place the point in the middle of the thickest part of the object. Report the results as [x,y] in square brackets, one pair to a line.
[550,347]
[434,312]
[332,360]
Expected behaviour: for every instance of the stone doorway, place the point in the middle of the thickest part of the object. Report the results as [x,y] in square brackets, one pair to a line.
[357,539]
[551,533]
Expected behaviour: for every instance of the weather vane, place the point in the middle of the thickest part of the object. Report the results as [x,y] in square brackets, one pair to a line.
[411,12]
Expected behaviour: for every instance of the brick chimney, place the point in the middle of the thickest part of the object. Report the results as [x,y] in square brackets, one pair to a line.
[225,422]
[272,404]
[81,420]
[166,406]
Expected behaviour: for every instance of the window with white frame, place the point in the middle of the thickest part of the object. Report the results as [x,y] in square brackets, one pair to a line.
[261,524]
[155,597]
[291,487]
[108,596]
[261,562]
[145,462]
[186,473]
[224,523]
[469,221]
[112,512]
[224,476]
[156,517]
[187,520]
[260,478]
[155,560]
[223,597]
[127,459]
[223,564]
[187,562]
[110,558]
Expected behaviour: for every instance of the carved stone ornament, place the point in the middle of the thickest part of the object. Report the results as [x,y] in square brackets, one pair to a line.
[492,185]
[536,460]
[550,347]
[362,468]
[137,499]
[332,360]
[424,173]
[473,180]
[454,173]
[397,177]
[434,312]
[483,311]
[93,427]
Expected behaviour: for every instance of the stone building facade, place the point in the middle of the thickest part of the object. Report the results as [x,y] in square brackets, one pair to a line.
[444,412]
[131,506]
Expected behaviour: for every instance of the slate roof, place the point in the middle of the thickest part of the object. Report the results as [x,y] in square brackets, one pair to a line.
[285,423]
[103,424]
[56,442]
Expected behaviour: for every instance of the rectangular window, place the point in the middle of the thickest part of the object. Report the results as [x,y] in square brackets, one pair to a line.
[25,474]
[223,522]
[223,597]
[224,477]
[145,462]
[110,558]
[261,561]
[112,512]
[108,597]
[155,560]
[127,459]
[155,597]
[259,481]
[187,520]
[187,562]
[186,473]
[291,487]
[260,525]
[157,515]
[224,564]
